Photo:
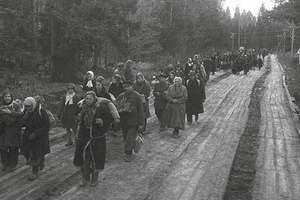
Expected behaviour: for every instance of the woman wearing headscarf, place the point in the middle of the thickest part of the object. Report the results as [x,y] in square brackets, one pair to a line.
[195,100]
[94,121]
[89,82]
[100,90]
[175,111]
[68,112]
[35,132]
[142,86]
[10,114]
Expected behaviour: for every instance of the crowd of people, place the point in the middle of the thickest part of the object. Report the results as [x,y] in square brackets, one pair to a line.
[179,94]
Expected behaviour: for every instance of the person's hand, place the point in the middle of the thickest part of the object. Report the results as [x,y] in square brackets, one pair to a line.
[174,100]
[117,120]
[99,121]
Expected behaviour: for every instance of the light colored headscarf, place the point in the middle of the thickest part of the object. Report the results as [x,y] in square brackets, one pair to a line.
[30,101]
[90,82]
[177,78]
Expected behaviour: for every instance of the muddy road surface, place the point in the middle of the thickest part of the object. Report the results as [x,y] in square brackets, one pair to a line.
[198,165]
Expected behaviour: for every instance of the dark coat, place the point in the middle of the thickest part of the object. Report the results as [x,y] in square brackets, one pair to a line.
[136,116]
[144,88]
[116,89]
[194,104]
[159,92]
[68,112]
[38,125]
[92,143]
[102,93]
[10,129]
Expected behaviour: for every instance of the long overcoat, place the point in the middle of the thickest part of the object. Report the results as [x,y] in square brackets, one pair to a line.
[38,125]
[175,111]
[194,104]
[69,112]
[91,142]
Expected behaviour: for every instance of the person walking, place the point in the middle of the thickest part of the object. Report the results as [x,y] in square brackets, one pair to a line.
[160,101]
[35,132]
[90,152]
[194,104]
[68,113]
[130,107]
[10,114]
[142,86]
[175,110]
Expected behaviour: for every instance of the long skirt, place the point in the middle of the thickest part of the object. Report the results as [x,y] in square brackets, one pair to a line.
[175,115]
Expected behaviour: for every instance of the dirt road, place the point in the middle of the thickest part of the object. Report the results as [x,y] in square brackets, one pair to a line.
[198,165]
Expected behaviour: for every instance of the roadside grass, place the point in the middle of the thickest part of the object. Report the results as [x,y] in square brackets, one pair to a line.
[292,71]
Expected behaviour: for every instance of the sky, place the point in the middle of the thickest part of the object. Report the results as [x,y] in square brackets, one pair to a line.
[248,5]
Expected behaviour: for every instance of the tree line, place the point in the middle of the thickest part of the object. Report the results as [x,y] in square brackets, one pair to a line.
[69,35]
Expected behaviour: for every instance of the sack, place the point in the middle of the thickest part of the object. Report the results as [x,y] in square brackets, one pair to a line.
[52,120]
[122,104]
[139,141]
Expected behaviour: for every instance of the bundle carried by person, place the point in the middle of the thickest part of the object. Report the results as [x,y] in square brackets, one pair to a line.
[41,103]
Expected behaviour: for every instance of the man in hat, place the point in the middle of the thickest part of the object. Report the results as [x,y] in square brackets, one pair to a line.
[130,107]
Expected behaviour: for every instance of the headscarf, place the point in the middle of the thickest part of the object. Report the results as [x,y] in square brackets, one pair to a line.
[30,101]
[88,111]
[140,74]
[3,95]
[90,82]
[69,96]
[177,78]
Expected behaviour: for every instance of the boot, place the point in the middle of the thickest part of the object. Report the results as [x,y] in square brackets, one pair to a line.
[176,133]
[34,175]
[84,180]
[94,181]
[69,138]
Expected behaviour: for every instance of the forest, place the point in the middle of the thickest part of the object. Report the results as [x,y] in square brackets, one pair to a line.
[64,37]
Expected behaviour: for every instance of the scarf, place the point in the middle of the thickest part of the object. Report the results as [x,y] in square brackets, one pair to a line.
[69,98]
[89,84]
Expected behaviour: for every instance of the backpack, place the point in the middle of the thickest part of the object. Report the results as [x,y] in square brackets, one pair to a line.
[122,104]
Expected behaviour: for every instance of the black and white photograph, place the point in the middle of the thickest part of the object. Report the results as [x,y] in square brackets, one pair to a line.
[150,100]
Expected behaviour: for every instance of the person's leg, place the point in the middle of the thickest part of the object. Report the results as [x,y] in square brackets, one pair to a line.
[4,159]
[196,117]
[69,137]
[35,171]
[13,158]
[189,118]
[130,143]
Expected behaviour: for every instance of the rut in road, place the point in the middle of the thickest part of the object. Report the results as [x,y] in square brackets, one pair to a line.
[202,171]
[242,172]
[278,162]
